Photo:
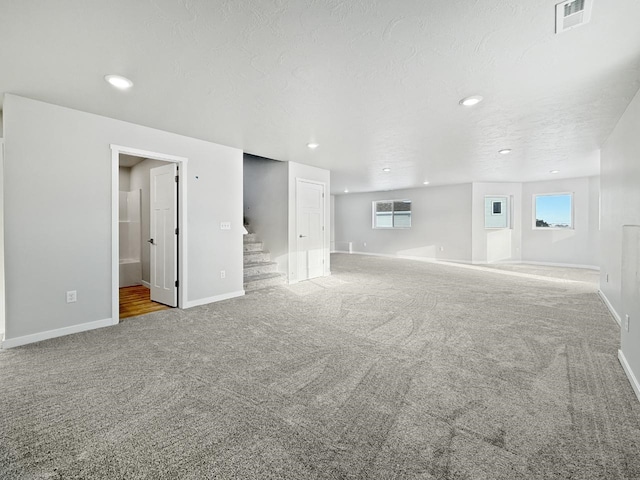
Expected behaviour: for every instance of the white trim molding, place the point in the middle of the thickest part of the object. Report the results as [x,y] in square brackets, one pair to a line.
[612,310]
[217,298]
[116,150]
[627,370]
[59,332]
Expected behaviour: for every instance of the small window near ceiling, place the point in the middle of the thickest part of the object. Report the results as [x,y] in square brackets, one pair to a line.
[553,211]
[392,214]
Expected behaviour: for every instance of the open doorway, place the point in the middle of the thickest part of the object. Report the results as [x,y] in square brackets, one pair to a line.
[150,241]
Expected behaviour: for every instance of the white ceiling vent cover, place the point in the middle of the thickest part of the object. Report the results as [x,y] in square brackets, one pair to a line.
[572,14]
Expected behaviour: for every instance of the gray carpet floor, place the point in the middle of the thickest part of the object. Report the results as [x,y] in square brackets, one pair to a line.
[387,369]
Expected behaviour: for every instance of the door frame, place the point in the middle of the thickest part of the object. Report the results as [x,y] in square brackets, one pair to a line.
[324,225]
[116,150]
[3,325]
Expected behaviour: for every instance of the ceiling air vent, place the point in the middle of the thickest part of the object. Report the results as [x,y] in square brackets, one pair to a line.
[572,14]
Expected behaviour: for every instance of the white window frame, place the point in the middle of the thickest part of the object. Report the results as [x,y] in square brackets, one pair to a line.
[392,227]
[507,212]
[536,195]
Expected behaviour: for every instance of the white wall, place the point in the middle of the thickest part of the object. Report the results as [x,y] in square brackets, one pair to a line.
[620,187]
[496,245]
[306,172]
[440,217]
[577,246]
[266,205]
[332,244]
[58,217]
[2,283]
[141,180]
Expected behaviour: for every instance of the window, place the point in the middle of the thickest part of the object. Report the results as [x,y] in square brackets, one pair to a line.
[553,211]
[392,214]
[496,212]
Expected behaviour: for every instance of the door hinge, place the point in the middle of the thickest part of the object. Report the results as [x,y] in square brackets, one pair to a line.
[176,178]
[177,283]
[177,230]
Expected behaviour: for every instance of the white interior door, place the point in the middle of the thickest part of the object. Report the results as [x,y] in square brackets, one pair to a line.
[310,229]
[163,227]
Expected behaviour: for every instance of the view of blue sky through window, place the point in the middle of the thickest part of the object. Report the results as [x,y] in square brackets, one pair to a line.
[553,211]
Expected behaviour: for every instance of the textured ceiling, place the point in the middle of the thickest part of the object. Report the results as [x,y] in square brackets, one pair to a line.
[375,83]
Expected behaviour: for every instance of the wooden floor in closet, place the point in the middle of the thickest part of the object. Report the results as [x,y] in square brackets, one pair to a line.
[136,301]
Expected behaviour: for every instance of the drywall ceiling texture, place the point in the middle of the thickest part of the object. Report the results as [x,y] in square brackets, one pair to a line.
[376,84]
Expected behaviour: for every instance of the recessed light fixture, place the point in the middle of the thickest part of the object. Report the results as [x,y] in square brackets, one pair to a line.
[313,146]
[425,183]
[554,171]
[471,101]
[346,190]
[386,169]
[504,151]
[119,81]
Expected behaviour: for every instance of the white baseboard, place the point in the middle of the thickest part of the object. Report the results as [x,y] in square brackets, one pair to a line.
[567,265]
[407,257]
[627,369]
[614,314]
[217,298]
[146,284]
[59,332]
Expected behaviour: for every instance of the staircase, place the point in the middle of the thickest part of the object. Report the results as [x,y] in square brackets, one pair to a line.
[259,271]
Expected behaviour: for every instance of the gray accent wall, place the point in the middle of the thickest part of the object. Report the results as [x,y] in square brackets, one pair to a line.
[58,179]
[448,223]
[440,218]
[266,205]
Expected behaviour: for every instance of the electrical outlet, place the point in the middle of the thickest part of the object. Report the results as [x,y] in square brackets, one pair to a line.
[626,322]
[223,274]
[72,296]
[225,225]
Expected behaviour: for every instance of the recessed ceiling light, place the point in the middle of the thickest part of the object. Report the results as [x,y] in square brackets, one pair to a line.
[425,183]
[119,81]
[387,169]
[313,146]
[471,101]
[504,151]
[554,171]
[346,190]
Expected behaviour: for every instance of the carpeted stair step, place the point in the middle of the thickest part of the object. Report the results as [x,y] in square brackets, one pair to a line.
[250,238]
[257,282]
[259,268]
[256,257]
[253,246]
